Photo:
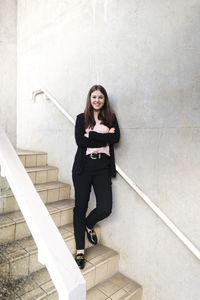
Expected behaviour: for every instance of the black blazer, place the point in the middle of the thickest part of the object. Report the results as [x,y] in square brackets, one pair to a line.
[95,140]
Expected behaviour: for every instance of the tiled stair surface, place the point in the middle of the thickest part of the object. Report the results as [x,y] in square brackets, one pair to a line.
[100,286]
[102,279]
[18,252]
[13,225]
[49,192]
[20,258]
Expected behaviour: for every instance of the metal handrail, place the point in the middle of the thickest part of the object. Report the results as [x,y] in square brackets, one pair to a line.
[52,249]
[148,201]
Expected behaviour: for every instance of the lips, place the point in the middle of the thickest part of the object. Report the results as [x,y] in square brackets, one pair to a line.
[96,104]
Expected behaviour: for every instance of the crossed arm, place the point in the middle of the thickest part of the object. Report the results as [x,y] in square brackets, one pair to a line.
[95,139]
[109,138]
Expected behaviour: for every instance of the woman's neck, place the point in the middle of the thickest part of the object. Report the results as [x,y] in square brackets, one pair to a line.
[95,114]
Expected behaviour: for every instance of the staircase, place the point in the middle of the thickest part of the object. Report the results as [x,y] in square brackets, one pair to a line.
[22,277]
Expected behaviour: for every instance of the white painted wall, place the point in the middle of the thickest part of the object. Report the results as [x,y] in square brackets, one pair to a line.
[146,54]
[8,68]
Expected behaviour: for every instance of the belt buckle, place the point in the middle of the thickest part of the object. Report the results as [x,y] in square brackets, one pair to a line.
[93,157]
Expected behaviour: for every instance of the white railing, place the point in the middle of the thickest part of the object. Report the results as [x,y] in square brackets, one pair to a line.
[155,208]
[52,250]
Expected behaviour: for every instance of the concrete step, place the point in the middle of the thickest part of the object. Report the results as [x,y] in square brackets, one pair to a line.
[118,287]
[49,192]
[42,174]
[102,264]
[13,226]
[20,258]
[32,158]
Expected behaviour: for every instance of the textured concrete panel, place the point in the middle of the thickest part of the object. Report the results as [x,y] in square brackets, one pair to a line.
[146,54]
[8,70]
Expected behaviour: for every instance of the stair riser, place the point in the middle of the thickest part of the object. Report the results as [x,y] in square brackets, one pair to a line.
[28,263]
[137,295]
[9,204]
[53,195]
[102,272]
[43,176]
[3,182]
[19,230]
[33,160]
[53,296]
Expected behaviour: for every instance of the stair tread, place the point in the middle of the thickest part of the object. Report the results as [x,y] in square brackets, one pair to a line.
[16,217]
[40,168]
[24,152]
[117,287]
[42,187]
[50,185]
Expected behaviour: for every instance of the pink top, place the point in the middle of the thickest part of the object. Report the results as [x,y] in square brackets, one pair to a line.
[101,129]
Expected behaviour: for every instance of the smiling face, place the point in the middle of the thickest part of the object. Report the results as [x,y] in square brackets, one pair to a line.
[97,100]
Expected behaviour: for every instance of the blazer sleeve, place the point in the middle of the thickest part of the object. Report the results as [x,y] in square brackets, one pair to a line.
[83,141]
[108,138]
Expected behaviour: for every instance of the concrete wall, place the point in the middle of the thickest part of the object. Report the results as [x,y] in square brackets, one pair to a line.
[8,69]
[146,54]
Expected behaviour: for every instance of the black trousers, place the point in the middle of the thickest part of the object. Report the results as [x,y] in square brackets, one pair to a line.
[96,174]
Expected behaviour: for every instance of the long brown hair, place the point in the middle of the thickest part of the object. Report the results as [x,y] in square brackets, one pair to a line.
[105,114]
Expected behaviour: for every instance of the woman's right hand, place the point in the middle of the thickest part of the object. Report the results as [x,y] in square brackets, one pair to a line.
[112,130]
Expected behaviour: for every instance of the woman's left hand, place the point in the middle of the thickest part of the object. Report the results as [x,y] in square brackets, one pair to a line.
[112,130]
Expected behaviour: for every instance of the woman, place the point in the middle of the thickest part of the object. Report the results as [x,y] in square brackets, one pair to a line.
[96,131]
